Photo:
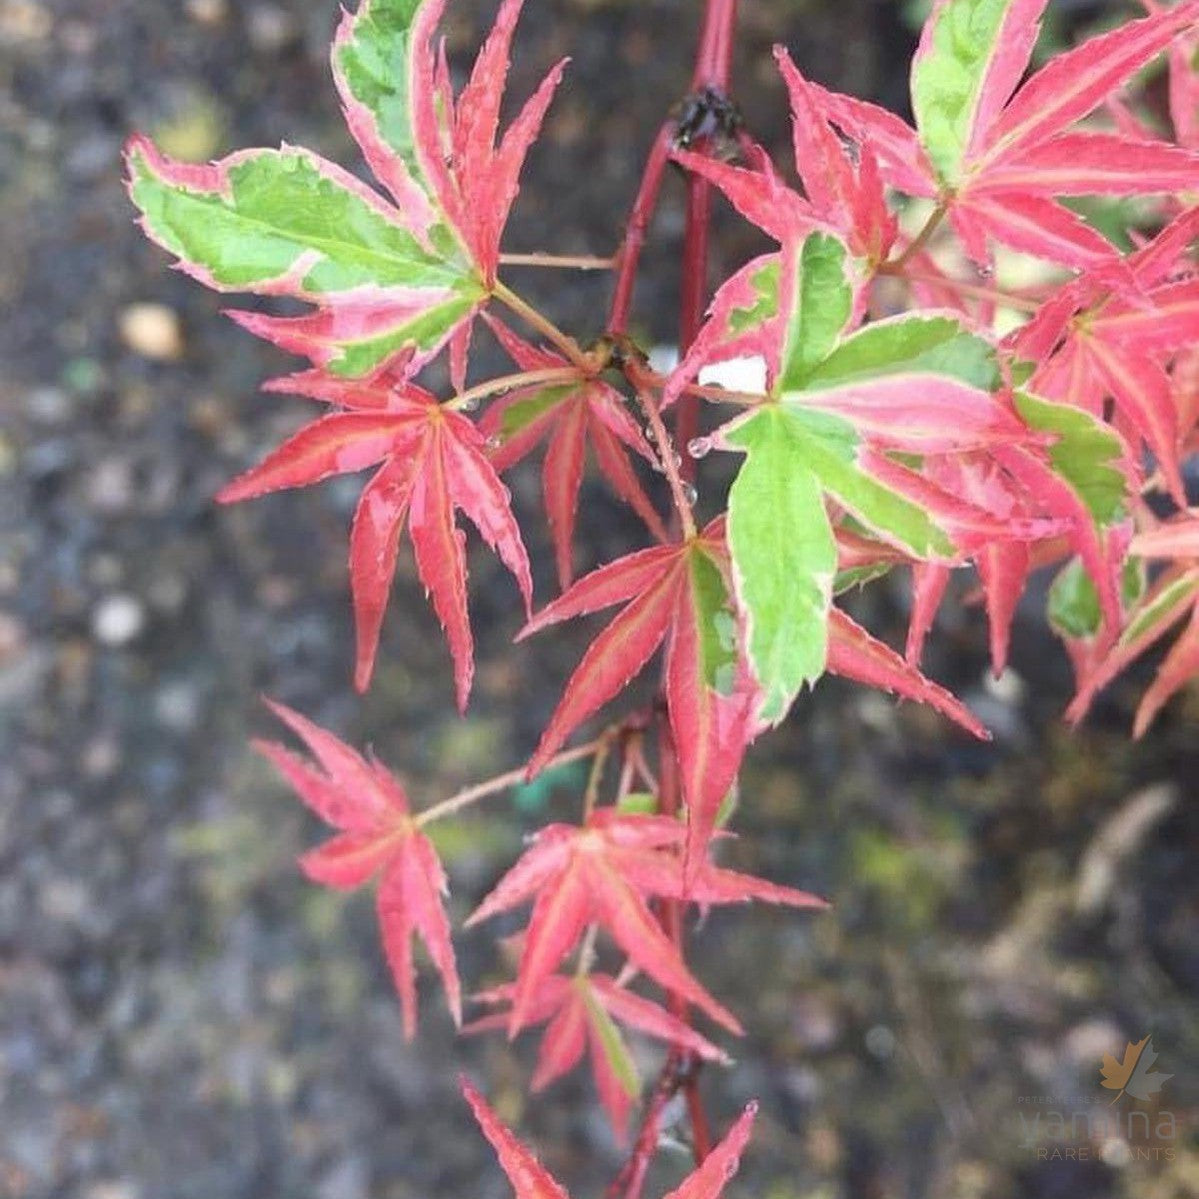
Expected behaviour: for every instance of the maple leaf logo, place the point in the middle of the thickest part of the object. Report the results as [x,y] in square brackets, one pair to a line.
[1134,1072]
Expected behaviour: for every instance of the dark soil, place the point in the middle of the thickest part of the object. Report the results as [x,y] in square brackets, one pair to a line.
[181,1017]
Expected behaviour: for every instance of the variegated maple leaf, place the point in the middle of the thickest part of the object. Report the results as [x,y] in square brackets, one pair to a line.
[996,153]
[433,462]
[1172,599]
[1068,495]
[391,281]
[848,420]
[567,416]
[531,1180]
[1097,338]
[584,1012]
[1184,84]
[603,873]
[376,837]
[843,188]
[678,594]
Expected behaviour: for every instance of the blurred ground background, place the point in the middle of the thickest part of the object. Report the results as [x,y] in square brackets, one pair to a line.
[182,1018]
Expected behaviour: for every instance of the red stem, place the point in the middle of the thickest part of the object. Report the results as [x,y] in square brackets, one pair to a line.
[629,256]
[713,69]
[713,62]
[693,298]
[629,1181]
[671,916]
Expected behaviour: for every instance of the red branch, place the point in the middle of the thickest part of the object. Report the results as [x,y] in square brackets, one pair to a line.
[671,916]
[628,1182]
[713,69]
[713,62]
[713,65]
[629,255]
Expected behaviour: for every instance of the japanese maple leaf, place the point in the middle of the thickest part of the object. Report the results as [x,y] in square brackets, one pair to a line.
[825,445]
[602,873]
[474,179]
[1092,341]
[903,427]
[531,1180]
[1002,563]
[996,153]
[854,654]
[391,281]
[1184,85]
[678,594]
[1172,599]
[433,462]
[843,189]
[1045,511]
[567,416]
[376,836]
[584,1012]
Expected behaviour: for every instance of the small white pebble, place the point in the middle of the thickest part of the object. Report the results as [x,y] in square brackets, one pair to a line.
[22,21]
[207,12]
[152,330]
[178,707]
[270,27]
[118,619]
[880,1041]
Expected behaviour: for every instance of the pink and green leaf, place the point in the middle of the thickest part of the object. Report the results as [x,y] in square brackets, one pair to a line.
[784,558]
[710,705]
[970,58]
[372,63]
[288,223]
[742,320]
[1095,163]
[817,302]
[373,66]
[1167,602]
[925,342]
[1074,84]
